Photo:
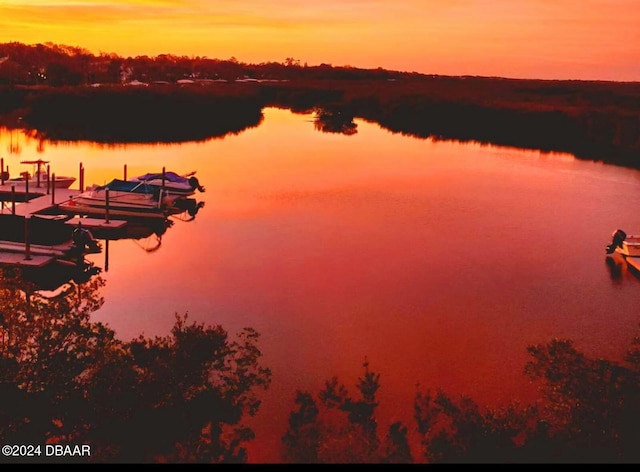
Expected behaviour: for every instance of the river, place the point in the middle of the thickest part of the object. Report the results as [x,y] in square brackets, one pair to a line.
[437,262]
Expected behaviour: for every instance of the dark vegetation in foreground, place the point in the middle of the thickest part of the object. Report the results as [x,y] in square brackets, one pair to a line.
[67,380]
[184,398]
[47,90]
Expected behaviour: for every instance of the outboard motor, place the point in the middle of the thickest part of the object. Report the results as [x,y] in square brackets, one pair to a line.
[83,240]
[616,240]
[195,184]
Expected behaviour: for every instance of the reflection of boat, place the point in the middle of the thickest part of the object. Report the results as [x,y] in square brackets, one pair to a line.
[39,177]
[123,198]
[173,183]
[187,208]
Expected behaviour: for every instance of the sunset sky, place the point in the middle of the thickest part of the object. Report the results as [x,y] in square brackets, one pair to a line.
[547,39]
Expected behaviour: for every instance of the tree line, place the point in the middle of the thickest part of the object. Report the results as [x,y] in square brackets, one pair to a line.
[590,119]
[59,65]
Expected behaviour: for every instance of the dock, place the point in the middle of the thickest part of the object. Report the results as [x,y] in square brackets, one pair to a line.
[20,260]
[32,204]
[18,200]
[43,206]
[95,223]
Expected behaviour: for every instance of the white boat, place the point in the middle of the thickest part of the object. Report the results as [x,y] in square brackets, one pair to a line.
[622,243]
[173,183]
[123,198]
[38,178]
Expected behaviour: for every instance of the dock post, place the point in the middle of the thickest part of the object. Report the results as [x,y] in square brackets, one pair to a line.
[26,187]
[81,177]
[125,172]
[106,207]
[48,179]
[2,170]
[27,244]
[13,199]
[53,189]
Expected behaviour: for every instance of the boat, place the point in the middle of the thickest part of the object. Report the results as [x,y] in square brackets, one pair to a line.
[38,178]
[172,182]
[624,244]
[625,248]
[122,198]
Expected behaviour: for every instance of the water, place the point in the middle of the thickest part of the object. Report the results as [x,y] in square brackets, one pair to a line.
[437,262]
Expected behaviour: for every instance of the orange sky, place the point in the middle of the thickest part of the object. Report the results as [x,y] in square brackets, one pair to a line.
[548,39]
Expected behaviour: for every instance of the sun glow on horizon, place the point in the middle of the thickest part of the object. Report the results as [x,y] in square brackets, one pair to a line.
[567,39]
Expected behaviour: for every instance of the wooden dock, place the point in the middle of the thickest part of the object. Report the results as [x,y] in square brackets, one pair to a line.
[35,204]
[96,223]
[16,202]
[44,207]
[21,260]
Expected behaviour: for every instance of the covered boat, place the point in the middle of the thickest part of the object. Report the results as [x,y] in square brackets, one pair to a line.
[123,198]
[172,182]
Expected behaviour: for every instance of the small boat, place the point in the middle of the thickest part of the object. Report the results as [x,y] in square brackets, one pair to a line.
[622,243]
[172,182]
[123,198]
[625,248]
[38,178]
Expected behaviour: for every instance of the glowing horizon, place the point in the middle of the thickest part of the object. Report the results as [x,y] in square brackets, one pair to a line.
[562,39]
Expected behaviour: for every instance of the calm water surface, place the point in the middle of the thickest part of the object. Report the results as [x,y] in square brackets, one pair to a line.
[438,262]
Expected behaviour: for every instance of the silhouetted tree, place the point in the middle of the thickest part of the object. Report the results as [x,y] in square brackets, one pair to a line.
[592,405]
[65,379]
[342,429]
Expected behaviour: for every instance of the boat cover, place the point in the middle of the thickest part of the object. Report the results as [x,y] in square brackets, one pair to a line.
[169,176]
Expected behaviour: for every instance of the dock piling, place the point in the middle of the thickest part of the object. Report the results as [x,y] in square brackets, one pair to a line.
[27,244]
[53,189]
[106,207]
[13,199]
[2,170]
[48,179]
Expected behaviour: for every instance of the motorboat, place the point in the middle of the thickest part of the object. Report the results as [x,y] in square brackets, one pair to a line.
[622,243]
[625,248]
[39,178]
[171,182]
[123,198]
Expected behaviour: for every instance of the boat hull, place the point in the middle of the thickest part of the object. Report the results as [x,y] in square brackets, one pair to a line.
[630,247]
[121,204]
[59,182]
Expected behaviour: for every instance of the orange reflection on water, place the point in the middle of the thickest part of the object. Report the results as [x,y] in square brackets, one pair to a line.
[438,262]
